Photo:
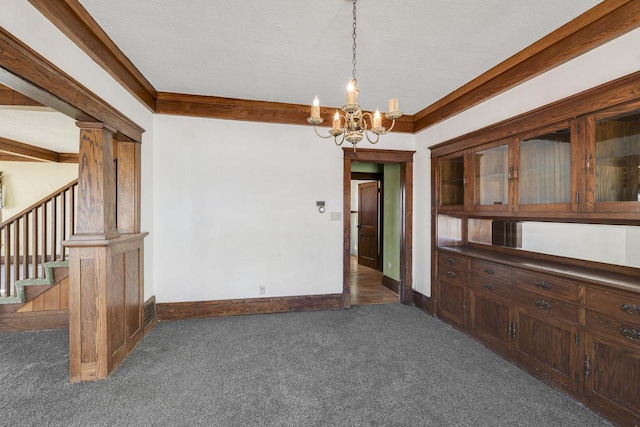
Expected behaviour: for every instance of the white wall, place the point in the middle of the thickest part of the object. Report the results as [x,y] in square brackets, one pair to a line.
[27,24]
[615,59]
[25,183]
[236,209]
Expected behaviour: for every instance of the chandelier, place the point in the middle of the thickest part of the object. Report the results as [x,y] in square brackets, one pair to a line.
[353,124]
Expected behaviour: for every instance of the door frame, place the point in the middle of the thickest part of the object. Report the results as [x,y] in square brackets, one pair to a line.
[405,160]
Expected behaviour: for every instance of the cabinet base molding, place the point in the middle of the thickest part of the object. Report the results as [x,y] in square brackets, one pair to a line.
[150,314]
[423,302]
[236,307]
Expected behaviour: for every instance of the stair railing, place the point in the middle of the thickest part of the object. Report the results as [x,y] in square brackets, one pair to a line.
[34,236]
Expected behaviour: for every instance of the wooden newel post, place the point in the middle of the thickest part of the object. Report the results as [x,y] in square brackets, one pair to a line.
[105,264]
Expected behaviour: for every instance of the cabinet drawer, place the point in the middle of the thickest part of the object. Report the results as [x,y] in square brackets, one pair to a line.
[491,271]
[494,287]
[623,305]
[562,310]
[449,273]
[450,260]
[546,285]
[628,330]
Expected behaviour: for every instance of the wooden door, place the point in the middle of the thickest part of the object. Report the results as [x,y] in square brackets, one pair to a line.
[368,224]
[491,321]
[612,375]
[546,346]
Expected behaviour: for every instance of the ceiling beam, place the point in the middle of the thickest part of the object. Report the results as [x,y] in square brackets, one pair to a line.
[597,26]
[9,96]
[19,151]
[75,22]
[254,111]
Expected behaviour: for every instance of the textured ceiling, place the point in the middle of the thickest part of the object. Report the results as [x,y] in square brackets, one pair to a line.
[40,126]
[290,51]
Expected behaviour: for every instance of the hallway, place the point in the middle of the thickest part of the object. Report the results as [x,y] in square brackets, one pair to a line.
[366,286]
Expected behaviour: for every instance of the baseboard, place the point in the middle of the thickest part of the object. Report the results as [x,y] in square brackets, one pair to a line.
[193,309]
[34,321]
[423,302]
[391,284]
[150,314]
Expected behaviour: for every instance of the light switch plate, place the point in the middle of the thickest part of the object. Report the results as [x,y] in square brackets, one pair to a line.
[336,216]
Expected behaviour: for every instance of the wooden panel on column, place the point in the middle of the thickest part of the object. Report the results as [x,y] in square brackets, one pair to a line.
[96,217]
[129,187]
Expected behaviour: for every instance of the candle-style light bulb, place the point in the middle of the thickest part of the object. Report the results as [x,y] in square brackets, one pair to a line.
[336,121]
[393,105]
[352,93]
[315,108]
[377,120]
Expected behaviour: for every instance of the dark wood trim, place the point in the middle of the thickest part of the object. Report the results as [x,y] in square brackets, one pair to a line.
[236,307]
[9,96]
[405,159]
[619,91]
[391,284]
[150,316]
[595,27]
[76,23]
[26,71]
[34,321]
[366,176]
[26,152]
[216,107]
[423,302]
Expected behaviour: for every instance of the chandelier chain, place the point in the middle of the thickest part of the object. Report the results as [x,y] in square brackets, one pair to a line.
[354,41]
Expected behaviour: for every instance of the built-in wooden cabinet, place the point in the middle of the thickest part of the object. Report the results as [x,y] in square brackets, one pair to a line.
[452,182]
[569,329]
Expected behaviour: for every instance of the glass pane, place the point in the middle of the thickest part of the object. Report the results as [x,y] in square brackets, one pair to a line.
[545,168]
[452,181]
[616,159]
[491,176]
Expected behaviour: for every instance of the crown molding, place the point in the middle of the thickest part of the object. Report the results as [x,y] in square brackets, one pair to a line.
[597,26]
[70,17]
[18,151]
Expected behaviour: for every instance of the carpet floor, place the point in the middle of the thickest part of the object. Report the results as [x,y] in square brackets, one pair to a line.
[381,365]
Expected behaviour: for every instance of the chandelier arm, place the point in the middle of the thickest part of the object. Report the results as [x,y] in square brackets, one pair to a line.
[323,137]
[366,133]
[393,123]
[335,139]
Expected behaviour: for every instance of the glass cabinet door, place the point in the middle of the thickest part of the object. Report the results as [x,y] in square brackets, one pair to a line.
[451,181]
[491,177]
[544,174]
[617,159]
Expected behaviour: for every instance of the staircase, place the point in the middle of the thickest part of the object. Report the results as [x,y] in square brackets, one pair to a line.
[33,262]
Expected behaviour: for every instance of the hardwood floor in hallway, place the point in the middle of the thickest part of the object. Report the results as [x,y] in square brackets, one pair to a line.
[366,286]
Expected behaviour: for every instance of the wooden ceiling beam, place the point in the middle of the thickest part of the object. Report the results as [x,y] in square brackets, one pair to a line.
[19,151]
[9,96]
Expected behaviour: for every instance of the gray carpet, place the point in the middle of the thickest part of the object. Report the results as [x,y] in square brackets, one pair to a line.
[387,365]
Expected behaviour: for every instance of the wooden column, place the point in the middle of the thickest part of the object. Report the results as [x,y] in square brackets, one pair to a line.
[105,270]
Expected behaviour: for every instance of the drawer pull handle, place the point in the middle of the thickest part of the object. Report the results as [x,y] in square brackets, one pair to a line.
[451,261]
[542,304]
[489,286]
[630,333]
[543,285]
[489,271]
[451,274]
[630,309]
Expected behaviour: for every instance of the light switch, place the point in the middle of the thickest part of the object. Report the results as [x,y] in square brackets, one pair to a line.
[336,216]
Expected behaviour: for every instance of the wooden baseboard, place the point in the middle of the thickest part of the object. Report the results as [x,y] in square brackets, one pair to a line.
[193,309]
[34,321]
[423,302]
[391,284]
[150,314]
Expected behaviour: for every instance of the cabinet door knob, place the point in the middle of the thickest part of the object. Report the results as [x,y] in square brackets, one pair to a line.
[489,271]
[451,261]
[543,285]
[542,304]
[451,274]
[489,286]
[630,309]
[630,333]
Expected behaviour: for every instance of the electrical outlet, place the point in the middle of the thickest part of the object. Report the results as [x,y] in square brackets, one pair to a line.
[262,289]
[389,264]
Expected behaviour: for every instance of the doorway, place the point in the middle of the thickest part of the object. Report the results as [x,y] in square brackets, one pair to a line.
[404,160]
